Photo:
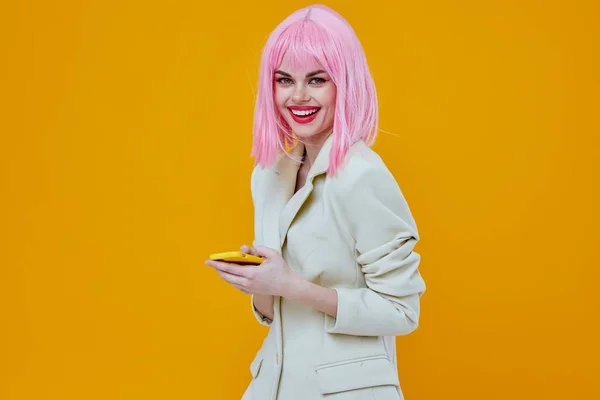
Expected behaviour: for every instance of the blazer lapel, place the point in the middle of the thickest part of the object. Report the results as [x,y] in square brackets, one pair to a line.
[293,206]
[280,181]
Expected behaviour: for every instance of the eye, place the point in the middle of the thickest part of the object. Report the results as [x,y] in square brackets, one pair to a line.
[284,81]
[318,81]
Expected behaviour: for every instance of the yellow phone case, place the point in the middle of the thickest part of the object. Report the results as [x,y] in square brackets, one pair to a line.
[237,256]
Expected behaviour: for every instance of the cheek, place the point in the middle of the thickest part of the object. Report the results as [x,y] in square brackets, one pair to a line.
[329,97]
[280,96]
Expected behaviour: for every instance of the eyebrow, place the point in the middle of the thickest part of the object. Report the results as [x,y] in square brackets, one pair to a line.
[307,75]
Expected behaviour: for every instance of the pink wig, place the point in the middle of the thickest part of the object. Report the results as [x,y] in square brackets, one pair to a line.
[316,34]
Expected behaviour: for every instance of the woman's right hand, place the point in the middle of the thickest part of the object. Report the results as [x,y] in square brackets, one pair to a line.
[262,303]
[248,250]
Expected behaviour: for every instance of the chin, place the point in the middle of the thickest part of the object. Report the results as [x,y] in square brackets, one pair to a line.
[302,134]
[304,131]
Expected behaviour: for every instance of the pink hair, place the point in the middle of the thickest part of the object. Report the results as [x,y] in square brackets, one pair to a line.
[316,34]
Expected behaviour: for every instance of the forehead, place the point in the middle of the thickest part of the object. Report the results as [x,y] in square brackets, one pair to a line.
[299,64]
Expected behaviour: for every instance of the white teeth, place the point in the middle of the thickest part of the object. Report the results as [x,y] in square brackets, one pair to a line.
[304,113]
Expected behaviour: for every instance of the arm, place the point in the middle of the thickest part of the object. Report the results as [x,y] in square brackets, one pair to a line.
[315,296]
[385,235]
[262,305]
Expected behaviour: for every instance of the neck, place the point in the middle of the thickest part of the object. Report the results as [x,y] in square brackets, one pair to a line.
[312,147]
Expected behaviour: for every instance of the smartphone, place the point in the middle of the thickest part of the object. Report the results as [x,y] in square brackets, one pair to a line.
[237,257]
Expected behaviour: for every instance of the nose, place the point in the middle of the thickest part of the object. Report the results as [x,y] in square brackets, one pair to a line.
[300,94]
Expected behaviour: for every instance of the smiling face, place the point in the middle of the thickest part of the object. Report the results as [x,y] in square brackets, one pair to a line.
[305,97]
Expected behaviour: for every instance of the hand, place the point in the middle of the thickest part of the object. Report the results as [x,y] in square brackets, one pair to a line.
[272,277]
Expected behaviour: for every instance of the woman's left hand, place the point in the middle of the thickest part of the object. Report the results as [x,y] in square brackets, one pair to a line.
[272,277]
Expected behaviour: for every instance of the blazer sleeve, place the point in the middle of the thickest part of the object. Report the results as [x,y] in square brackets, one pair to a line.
[257,314]
[385,235]
[255,201]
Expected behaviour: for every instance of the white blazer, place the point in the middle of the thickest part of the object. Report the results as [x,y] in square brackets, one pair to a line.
[354,233]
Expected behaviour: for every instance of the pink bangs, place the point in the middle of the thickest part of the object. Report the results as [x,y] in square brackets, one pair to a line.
[316,35]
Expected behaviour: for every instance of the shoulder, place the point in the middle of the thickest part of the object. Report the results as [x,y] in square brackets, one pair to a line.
[255,174]
[363,169]
[366,192]
[259,174]
[256,180]
[262,178]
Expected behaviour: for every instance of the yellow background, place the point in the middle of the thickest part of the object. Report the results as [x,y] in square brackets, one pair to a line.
[125,160]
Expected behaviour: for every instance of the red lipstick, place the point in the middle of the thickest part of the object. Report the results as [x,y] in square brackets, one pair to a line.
[304,119]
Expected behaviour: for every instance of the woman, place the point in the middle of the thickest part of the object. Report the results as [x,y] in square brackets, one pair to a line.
[340,279]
